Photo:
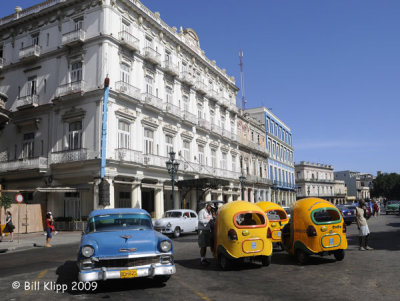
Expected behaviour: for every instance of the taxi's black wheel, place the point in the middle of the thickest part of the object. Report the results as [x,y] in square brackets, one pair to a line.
[224,262]
[339,255]
[162,279]
[301,256]
[177,232]
[266,260]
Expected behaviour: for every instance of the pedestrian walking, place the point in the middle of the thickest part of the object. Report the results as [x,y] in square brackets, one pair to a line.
[9,228]
[205,232]
[362,227]
[49,229]
[376,208]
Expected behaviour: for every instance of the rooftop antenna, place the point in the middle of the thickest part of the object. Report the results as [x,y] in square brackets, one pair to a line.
[244,101]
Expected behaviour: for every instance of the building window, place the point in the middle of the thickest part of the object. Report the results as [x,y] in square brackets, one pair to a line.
[124,200]
[125,26]
[32,86]
[212,117]
[224,160]
[186,150]
[199,111]
[125,73]
[28,145]
[75,135]
[232,126]
[35,39]
[185,103]
[201,154]
[76,72]
[233,163]
[72,205]
[149,84]
[222,122]
[168,94]
[123,135]
[148,141]
[213,158]
[169,143]
[78,24]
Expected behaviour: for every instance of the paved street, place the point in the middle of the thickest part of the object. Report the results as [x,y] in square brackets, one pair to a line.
[368,275]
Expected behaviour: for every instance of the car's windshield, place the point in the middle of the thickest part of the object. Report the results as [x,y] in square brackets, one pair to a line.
[249,219]
[115,222]
[276,215]
[350,207]
[173,214]
[326,216]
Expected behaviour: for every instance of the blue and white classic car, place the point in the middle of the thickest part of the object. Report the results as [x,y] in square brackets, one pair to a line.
[121,243]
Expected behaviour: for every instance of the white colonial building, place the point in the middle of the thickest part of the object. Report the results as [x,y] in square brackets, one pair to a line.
[165,94]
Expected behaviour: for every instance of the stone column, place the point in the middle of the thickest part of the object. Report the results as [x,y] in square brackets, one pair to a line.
[246,194]
[207,196]
[193,199]
[136,195]
[230,196]
[159,201]
[96,194]
[112,196]
[220,195]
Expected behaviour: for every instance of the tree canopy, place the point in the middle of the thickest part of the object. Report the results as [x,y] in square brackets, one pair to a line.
[387,186]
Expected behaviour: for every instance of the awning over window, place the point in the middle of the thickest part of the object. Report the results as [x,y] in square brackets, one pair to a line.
[203,183]
[61,189]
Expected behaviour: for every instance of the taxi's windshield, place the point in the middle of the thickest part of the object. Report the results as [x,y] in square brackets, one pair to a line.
[276,215]
[115,222]
[249,219]
[326,216]
[173,214]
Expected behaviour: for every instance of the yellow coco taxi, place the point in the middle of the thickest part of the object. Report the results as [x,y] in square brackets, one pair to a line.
[316,227]
[277,218]
[242,233]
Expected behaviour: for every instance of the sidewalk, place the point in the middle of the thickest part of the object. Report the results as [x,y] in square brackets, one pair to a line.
[38,240]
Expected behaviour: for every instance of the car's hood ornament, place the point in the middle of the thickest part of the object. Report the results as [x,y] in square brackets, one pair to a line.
[126,237]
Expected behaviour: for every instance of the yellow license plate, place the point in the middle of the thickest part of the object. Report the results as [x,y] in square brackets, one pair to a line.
[128,273]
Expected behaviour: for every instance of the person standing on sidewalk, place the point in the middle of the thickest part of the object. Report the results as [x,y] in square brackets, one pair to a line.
[205,234]
[9,227]
[362,226]
[49,228]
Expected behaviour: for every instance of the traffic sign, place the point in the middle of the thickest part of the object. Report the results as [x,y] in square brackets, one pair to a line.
[19,198]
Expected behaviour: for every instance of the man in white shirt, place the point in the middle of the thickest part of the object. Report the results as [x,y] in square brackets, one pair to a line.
[205,235]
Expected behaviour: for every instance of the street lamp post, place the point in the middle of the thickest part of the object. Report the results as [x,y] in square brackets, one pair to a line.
[172,167]
[242,178]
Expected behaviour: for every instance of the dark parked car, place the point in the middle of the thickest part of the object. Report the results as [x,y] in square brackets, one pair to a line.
[348,212]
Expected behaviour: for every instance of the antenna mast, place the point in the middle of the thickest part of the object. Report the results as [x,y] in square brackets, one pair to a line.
[244,101]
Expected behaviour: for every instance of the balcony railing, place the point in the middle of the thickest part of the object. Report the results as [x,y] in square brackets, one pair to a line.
[71,88]
[171,68]
[216,129]
[151,55]
[258,180]
[204,124]
[128,40]
[24,164]
[73,37]
[187,78]
[213,94]
[27,101]
[2,62]
[172,109]
[129,155]
[187,116]
[30,52]
[74,155]
[154,160]
[153,101]
[128,89]
[201,87]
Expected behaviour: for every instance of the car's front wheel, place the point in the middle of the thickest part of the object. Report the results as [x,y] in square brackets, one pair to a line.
[224,262]
[266,260]
[177,232]
[301,256]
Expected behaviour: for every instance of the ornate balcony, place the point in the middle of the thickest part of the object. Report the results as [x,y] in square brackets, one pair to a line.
[201,87]
[154,160]
[2,62]
[151,55]
[73,37]
[129,155]
[24,164]
[216,129]
[213,94]
[27,101]
[153,101]
[189,117]
[204,124]
[128,40]
[74,155]
[71,88]
[171,68]
[187,78]
[29,53]
[173,110]
[128,89]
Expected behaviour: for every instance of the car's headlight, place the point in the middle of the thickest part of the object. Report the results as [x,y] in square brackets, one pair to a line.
[165,246]
[87,251]
[169,225]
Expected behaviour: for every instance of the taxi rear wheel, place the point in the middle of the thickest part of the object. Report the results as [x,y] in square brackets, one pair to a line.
[224,262]
[301,256]
[266,260]
[339,255]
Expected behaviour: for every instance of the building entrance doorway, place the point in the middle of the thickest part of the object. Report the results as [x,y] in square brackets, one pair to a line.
[148,200]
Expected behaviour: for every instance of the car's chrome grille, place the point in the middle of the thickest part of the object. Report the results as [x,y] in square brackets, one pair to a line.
[127,262]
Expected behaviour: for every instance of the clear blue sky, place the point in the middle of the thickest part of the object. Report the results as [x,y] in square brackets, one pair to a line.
[329,69]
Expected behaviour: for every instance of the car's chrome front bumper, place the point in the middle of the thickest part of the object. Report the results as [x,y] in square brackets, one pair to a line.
[164,230]
[115,273]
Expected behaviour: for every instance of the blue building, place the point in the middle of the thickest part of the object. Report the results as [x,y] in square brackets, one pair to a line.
[280,160]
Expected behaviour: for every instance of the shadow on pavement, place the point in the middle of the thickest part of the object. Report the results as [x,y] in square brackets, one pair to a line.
[380,240]
[397,225]
[68,275]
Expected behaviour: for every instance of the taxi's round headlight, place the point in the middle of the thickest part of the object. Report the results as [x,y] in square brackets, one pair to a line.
[87,251]
[165,246]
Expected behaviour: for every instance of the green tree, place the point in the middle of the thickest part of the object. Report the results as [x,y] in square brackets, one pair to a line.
[5,201]
[387,186]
